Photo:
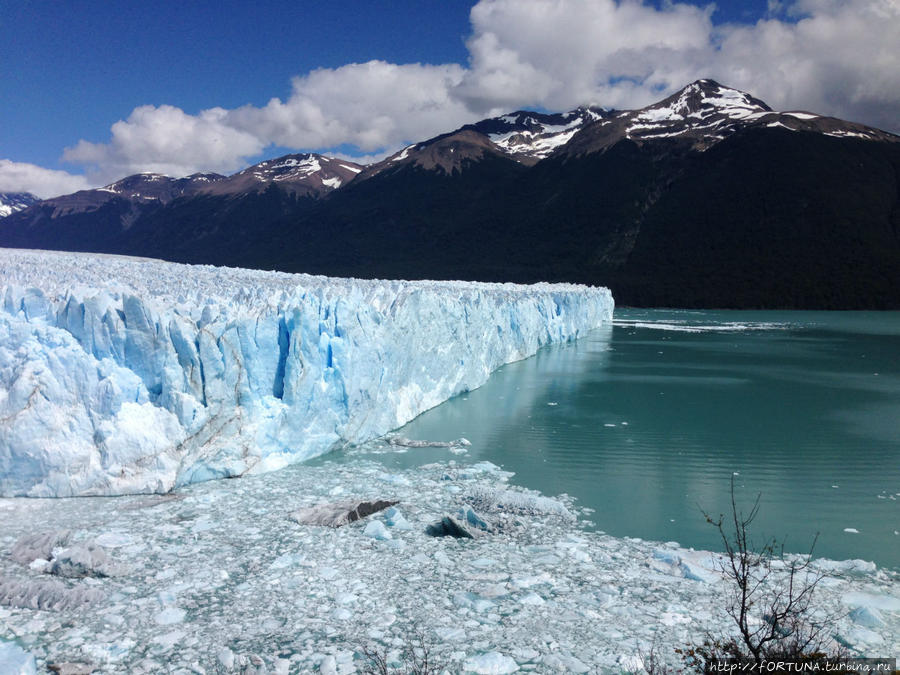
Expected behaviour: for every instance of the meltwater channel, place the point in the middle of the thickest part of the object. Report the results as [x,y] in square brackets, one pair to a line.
[648,422]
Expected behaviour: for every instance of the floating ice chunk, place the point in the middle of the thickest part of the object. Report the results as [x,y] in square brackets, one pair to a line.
[328,573]
[887,603]
[393,478]
[867,616]
[39,565]
[225,657]
[328,665]
[565,663]
[285,561]
[342,614]
[166,598]
[450,634]
[410,443]
[396,519]
[114,540]
[863,637]
[688,564]
[490,663]
[169,640]
[486,467]
[532,599]
[377,530]
[346,598]
[472,601]
[169,616]
[674,618]
[472,519]
[855,567]
[16,661]
[520,582]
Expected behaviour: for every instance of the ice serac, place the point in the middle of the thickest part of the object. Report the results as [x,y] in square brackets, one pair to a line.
[123,375]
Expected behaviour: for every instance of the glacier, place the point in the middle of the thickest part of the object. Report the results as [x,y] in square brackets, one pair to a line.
[124,375]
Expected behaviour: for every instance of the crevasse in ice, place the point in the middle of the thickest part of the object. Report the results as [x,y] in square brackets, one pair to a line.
[124,375]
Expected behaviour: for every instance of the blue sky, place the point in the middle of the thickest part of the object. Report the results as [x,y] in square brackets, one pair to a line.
[98,90]
[71,69]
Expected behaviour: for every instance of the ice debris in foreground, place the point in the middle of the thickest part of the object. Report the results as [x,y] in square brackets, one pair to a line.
[123,375]
[222,579]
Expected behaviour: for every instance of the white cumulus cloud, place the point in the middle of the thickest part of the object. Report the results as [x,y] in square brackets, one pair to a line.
[41,182]
[167,140]
[564,54]
[371,105]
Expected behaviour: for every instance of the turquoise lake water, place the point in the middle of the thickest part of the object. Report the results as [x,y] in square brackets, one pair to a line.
[647,423]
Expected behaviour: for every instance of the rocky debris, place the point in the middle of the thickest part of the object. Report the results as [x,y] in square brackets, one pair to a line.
[81,560]
[337,514]
[49,552]
[46,594]
[72,668]
[464,524]
[31,547]
[249,664]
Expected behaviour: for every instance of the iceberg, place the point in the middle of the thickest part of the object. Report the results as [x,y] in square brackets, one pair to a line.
[123,375]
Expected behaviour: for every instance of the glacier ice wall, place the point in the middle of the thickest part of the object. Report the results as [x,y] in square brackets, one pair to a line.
[123,375]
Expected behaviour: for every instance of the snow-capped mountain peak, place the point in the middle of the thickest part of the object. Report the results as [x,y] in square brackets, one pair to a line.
[704,113]
[286,168]
[133,186]
[530,136]
[305,173]
[149,186]
[703,98]
[10,202]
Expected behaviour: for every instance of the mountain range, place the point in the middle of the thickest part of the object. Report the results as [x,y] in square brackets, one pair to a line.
[708,198]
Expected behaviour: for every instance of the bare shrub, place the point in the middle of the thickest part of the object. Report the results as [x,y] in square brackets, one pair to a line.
[769,597]
[416,658]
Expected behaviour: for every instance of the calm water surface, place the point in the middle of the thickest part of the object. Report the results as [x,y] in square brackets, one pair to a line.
[648,422]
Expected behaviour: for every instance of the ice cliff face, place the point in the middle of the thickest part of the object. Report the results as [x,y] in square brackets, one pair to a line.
[124,375]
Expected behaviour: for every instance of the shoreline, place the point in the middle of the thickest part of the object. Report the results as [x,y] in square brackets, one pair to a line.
[222,567]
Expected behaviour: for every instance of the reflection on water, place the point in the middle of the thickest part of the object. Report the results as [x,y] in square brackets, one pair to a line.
[647,423]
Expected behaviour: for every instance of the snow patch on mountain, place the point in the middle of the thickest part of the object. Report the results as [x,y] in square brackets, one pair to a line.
[11,202]
[532,136]
[123,376]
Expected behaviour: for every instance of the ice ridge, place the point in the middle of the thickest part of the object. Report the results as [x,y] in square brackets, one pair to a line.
[123,375]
